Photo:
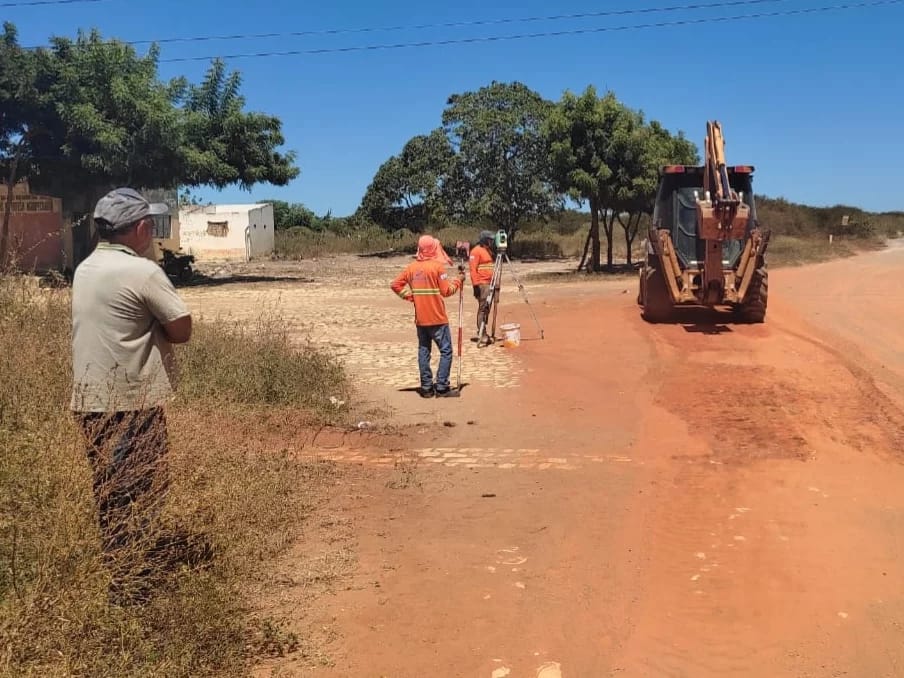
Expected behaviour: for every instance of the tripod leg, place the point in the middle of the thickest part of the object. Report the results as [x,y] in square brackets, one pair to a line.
[524,295]
[483,338]
[495,308]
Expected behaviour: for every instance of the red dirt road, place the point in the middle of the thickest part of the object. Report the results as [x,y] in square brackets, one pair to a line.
[695,499]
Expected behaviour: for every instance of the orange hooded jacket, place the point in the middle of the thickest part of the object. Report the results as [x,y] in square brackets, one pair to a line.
[425,282]
[481,264]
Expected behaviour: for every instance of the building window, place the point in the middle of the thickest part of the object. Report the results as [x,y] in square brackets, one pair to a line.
[163,226]
[218,229]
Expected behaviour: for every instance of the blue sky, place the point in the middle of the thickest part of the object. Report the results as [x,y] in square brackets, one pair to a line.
[815,101]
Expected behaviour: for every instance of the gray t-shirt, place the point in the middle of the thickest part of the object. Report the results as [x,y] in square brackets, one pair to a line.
[121,358]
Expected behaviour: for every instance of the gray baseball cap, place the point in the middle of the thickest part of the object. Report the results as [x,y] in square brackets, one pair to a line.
[122,207]
[486,236]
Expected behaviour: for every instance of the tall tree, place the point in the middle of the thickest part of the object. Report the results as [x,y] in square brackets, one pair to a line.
[647,147]
[224,143]
[20,122]
[104,119]
[588,142]
[408,189]
[387,201]
[578,143]
[110,121]
[503,172]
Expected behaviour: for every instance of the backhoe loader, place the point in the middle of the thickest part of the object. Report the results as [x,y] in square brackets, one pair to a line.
[705,246]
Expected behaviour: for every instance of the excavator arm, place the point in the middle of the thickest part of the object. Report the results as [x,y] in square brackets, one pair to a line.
[725,201]
[721,213]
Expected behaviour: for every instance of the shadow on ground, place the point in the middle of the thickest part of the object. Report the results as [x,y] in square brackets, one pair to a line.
[700,320]
[200,280]
[415,389]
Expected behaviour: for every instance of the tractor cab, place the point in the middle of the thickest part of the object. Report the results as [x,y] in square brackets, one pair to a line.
[676,211]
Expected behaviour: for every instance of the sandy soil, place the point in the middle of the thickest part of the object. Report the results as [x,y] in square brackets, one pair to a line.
[618,498]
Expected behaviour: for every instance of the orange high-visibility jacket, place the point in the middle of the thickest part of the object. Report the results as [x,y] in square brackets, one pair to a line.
[481,262]
[426,283]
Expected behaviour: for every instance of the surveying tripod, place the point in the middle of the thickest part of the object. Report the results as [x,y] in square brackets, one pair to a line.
[492,302]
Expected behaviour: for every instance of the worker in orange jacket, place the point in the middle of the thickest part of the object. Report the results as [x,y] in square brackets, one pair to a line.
[424,282]
[482,263]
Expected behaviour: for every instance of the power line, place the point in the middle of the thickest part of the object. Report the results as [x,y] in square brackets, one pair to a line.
[545,34]
[457,24]
[38,3]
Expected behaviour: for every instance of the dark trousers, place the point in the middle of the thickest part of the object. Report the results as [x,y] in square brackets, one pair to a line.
[127,454]
[481,292]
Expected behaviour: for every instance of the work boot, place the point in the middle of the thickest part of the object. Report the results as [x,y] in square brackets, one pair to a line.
[448,393]
[425,392]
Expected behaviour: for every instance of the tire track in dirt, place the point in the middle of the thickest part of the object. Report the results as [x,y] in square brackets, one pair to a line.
[688,624]
[735,538]
[880,409]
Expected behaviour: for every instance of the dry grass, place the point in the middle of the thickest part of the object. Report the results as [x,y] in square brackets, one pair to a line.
[788,250]
[246,499]
[267,370]
[784,250]
[303,243]
[539,243]
[794,242]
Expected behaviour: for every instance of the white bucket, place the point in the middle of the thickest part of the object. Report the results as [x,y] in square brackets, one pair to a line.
[511,334]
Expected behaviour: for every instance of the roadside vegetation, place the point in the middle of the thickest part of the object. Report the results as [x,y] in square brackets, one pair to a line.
[504,157]
[800,234]
[246,497]
[554,240]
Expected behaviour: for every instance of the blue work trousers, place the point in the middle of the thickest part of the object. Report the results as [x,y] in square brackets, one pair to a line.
[427,335]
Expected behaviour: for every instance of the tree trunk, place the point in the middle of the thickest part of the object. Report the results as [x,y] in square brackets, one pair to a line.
[7,213]
[594,263]
[630,232]
[630,228]
[632,235]
[510,232]
[608,226]
[586,247]
[610,259]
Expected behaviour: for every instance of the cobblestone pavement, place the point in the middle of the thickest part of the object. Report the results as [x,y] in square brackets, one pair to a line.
[345,305]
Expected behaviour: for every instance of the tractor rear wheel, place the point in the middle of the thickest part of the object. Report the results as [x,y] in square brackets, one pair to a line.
[654,293]
[753,310]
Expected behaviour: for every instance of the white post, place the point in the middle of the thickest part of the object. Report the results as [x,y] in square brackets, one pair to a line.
[830,238]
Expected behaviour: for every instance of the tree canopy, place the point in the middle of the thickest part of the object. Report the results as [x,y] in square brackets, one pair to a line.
[604,153]
[409,189]
[503,166]
[506,155]
[84,115]
[582,133]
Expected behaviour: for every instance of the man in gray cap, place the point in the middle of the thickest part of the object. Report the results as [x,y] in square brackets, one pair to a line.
[126,315]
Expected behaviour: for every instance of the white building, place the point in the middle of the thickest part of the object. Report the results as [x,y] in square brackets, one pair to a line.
[227,232]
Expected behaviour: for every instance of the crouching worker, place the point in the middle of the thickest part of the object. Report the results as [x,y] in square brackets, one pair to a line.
[424,282]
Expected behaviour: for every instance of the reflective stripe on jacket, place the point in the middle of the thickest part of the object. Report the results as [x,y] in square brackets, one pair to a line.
[481,263]
[426,283]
